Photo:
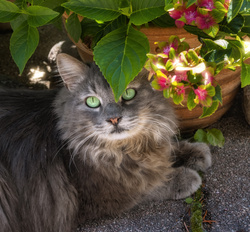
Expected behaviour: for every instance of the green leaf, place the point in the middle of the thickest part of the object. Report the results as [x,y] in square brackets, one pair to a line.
[194,78]
[164,21]
[237,50]
[23,43]
[146,10]
[155,85]
[210,90]
[246,27]
[192,57]
[102,10]
[245,75]
[212,31]
[15,23]
[215,137]
[212,136]
[190,3]
[208,111]
[214,52]
[126,49]
[190,101]
[177,98]
[218,95]
[189,200]
[168,5]
[90,28]
[245,8]
[73,27]
[52,4]
[200,136]
[234,26]
[219,12]
[166,93]
[8,11]
[196,31]
[233,9]
[39,15]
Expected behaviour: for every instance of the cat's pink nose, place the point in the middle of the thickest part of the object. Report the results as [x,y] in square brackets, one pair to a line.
[114,121]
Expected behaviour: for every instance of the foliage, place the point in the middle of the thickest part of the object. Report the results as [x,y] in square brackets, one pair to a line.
[25,17]
[112,27]
[210,136]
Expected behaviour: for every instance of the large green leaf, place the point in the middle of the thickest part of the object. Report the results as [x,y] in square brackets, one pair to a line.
[39,15]
[245,75]
[102,10]
[234,8]
[208,111]
[8,11]
[52,4]
[73,27]
[23,43]
[95,31]
[245,8]
[15,23]
[121,55]
[168,5]
[213,51]
[246,27]
[234,26]
[146,10]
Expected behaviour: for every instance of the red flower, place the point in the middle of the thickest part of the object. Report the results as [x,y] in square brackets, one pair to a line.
[173,45]
[163,82]
[205,21]
[179,90]
[180,76]
[191,14]
[208,4]
[201,93]
[179,23]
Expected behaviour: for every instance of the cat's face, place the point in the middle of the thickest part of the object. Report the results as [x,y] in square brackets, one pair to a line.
[88,109]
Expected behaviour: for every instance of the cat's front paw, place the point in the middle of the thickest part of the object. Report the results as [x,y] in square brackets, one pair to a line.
[202,156]
[185,183]
[196,156]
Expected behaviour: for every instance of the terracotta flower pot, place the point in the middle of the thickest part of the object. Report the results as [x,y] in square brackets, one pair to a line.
[189,120]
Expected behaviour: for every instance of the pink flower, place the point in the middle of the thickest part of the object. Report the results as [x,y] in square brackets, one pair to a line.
[208,4]
[179,23]
[201,93]
[180,76]
[173,45]
[191,14]
[166,49]
[176,14]
[163,82]
[179,90]
[205,21]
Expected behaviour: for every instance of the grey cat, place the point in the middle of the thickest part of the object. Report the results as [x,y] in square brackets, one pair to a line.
[74,154]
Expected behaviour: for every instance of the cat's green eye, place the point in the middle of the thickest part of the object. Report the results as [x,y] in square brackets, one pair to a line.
[93,102]
[129,94]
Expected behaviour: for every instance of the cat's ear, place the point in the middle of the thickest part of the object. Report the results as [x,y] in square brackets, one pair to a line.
[71,70]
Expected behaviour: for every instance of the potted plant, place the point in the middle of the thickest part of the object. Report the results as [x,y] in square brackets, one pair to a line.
[115,29]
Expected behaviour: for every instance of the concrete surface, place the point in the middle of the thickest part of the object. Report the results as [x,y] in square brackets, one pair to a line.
[227,194]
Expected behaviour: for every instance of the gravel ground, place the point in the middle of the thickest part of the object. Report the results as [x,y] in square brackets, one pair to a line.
[226,188]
